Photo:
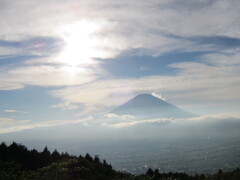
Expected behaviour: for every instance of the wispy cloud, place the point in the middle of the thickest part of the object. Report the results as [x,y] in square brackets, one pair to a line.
[137,122]
[116,116]
[44,76]
[158,95]
[150,27]
[128,27]
[27,125]
[207,83]
[144,68]
[40,46]
[15,111]
[5,122]
[181,122]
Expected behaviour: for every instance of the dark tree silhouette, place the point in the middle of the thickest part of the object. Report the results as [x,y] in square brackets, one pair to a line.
[17,162]
[97,159]
[150,172]
[88,157]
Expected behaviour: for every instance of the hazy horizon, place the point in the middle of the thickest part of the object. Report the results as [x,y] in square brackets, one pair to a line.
[66,67]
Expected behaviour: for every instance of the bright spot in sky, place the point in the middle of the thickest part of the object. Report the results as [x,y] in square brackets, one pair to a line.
[80,43]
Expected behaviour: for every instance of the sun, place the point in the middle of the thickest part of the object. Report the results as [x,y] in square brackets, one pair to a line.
[80,43]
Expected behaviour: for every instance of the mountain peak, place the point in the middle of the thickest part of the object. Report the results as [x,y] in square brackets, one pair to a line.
[146,105]
[146,96]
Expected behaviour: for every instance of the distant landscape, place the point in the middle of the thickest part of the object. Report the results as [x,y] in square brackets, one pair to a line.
[178,143]
[143,90]
[17,162]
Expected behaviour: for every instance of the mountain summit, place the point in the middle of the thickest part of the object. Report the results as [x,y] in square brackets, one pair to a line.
[148,106]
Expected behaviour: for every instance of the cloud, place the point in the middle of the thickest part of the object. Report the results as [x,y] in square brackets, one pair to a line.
[225,58]
[144,68]
[137,122]
[223,42]
[158,95]
[150,27]
[66,105]
[116,116]
[127,25]
[18,127]
[3,119]
[208,83]
[39,46]
[15,111]
[209,119]
[5,122]
[215,117]
[5,52]
[44,76]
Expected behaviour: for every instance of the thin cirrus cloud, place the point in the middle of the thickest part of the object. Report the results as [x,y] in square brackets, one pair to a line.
[6,122]
[142,31]
[113,121]
[15,111]
[152,28]
[150,33]
[122,117]
[5,119]
[44,76]
[194,82]
[206,119]
[26,124]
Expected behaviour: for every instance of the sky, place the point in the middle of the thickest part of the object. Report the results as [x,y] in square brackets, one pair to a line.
[64,62]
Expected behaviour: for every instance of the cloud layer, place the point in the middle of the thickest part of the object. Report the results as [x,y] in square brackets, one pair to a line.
[8,125]
[31,29]
[195,83]
[154,26]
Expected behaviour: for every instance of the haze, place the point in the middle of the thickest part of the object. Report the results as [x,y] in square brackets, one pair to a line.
[65,66]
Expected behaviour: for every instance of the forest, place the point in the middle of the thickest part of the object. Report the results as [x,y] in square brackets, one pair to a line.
[18,163]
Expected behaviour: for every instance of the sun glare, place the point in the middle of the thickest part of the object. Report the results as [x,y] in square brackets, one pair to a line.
[80,43]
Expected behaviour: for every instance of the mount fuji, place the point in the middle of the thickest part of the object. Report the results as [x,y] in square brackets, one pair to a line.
[148,106]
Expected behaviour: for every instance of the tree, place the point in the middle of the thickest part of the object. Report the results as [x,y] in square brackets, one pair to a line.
[88,157]
[45,157]
[97,159]
[55,156]
[150,172]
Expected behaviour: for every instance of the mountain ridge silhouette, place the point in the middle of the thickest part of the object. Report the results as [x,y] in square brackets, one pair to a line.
[146,105]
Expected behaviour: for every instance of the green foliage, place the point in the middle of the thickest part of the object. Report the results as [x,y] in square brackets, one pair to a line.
[19,163]
[11,170]
[155,175]
[29,159]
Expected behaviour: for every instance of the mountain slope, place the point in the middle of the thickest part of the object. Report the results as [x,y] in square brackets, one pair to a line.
[146,105]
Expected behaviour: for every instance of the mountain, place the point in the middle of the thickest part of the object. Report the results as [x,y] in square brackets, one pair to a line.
[148,106]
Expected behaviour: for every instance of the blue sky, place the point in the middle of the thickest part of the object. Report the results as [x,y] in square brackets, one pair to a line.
[64,61]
